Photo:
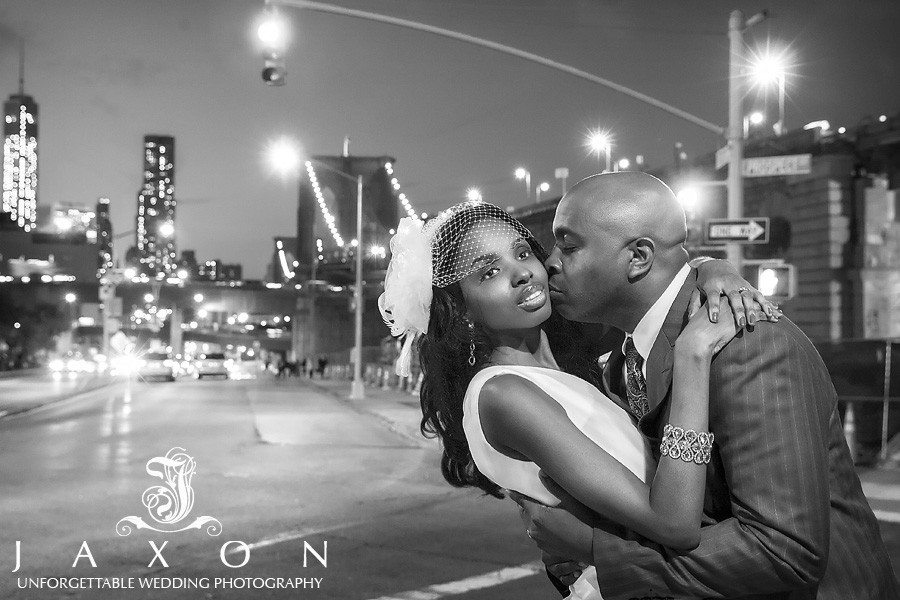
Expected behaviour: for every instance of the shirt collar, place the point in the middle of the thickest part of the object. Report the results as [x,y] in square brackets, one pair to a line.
[651,323]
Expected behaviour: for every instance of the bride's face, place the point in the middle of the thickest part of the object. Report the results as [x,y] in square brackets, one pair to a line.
[508,289]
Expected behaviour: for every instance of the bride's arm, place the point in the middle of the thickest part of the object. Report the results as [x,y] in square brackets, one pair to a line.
[518,418]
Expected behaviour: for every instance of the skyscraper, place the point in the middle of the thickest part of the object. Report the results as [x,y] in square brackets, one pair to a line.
[155,227]
[104,238]
[20,119]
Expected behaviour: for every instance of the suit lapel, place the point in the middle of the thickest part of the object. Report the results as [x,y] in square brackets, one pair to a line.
[662,355]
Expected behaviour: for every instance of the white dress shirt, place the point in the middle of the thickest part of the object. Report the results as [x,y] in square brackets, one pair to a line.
[651,323]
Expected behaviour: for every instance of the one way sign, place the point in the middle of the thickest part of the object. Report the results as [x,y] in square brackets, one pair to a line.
[743,231]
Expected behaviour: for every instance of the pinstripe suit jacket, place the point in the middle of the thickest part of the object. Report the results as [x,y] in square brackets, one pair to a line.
[784,513]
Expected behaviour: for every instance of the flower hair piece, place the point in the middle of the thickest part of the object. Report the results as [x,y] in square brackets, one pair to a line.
[406,302]
[437,253]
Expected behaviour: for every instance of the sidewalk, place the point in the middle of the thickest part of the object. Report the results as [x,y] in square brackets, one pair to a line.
[400,411]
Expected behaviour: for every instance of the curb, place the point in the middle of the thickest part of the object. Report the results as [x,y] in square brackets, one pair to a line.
[6,415]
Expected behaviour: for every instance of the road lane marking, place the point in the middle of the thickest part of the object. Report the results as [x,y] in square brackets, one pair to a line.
[887,516]
[287,536]
[881,491]
[477,582]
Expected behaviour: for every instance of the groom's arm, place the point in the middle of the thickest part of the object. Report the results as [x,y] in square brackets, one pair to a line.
[770,407]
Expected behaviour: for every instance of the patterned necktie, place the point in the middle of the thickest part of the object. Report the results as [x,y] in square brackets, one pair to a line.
[635,384]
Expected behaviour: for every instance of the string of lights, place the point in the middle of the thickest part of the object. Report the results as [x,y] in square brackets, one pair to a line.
[326,214]
[402,196]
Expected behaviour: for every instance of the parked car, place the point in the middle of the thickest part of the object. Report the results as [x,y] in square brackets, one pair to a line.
[211,363]
[157,365]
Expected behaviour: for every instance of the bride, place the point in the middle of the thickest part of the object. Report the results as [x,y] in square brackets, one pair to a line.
[499,392]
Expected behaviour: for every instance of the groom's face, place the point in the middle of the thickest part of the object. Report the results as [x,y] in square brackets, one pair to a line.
[585,264]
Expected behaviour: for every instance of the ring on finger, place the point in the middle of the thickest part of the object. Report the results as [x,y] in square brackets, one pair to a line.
[741,290]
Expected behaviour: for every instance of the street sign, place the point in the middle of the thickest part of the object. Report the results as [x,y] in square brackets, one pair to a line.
[775,166]
[743,231]
[722,156]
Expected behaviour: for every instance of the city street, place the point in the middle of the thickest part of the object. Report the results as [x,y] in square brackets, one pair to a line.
[278,463]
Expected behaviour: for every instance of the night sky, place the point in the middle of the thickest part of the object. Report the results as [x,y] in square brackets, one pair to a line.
[106,72]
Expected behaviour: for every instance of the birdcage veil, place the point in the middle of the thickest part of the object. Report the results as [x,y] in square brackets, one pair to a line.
[447,249]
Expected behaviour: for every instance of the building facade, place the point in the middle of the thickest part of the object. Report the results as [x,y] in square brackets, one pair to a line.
[104,238]
[838,224]
[155,220]
[20,161]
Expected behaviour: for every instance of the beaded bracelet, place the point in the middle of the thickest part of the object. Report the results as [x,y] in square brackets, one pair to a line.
[689,445]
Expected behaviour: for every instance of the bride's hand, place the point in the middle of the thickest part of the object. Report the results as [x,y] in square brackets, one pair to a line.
[717,278]
[702,338]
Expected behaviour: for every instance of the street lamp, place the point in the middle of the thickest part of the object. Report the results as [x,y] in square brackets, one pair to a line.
[770,68]
[735,180]
[601,142]
[283,156]
[273,33]
[71,298]
[473,194]
[357,389]
[522,173]
[542,188]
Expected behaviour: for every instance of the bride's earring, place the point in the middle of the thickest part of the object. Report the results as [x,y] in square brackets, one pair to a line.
[471,343]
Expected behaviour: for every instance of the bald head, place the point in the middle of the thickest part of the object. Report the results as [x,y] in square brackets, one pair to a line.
[628,205]
[619,243]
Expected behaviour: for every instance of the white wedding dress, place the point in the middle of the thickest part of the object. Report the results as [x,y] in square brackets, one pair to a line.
[598,417]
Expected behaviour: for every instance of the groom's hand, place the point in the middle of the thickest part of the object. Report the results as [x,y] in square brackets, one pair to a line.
[555,531]
[565,570]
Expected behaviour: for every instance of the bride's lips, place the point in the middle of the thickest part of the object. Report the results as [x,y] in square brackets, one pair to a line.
[532,297]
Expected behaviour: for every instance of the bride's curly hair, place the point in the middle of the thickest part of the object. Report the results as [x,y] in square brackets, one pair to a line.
[444,359]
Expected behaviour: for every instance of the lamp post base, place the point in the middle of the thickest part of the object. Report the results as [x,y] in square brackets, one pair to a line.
[357,390]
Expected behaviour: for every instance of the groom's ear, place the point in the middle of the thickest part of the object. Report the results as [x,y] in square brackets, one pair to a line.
[642,251]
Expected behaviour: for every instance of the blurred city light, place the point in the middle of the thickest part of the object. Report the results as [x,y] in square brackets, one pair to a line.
[882,118]
[473,194]
[624,163]
[70,297]
[167,229]
[273,31]
[601,142]
[182,273]
[198,297]
[757,118]
[521,173]
[823,125]
[688,197]
[148,297]
[283,156]
[768,68]
[376,251]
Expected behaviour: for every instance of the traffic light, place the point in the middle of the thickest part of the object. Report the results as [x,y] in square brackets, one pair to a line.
[777,281]
[274,72]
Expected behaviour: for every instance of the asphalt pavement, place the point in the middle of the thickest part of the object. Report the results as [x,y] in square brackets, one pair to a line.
[292,468]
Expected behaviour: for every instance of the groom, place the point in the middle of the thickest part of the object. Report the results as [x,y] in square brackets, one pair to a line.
[784,513]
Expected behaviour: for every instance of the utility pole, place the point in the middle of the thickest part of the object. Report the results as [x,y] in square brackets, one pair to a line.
[735,122]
